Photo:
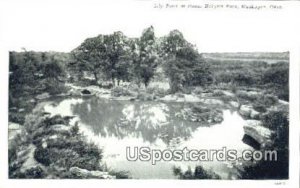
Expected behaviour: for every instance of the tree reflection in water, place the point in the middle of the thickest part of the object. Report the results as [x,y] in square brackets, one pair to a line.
[148,120]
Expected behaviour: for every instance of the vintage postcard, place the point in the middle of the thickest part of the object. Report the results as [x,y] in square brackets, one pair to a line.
[164,91]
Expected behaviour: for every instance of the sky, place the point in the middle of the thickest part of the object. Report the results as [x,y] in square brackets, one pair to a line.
[62,25]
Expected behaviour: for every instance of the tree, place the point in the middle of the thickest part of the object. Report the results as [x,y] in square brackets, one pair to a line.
[91,55]
[53,69]
[117,54]
[145,57]
[184,65]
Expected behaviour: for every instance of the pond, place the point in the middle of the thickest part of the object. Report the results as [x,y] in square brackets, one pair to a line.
[115,125]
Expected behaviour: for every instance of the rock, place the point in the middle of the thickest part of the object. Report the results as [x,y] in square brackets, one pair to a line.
[261,134]
[21,110]
[251,142]
[279,107]
[32,101]
[169,98]
[212,101]
[83,173]
[13,126]
[234,104]
[143,96]
[75,92]
[60,127]
[249,112]
[254,114]
[228,93]
[42,96]
[191,98]
[86,92]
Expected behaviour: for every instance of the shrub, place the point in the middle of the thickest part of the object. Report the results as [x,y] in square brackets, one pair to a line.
[75,130]
[120,174]
[157,91]
[276,169]
[16,117]
[245,96]
[227,98]
[198,90]
[42,155]
[199,173]
[218,93]
[275,119]
[120,91]
[35,172]
[268,100]
[260,108]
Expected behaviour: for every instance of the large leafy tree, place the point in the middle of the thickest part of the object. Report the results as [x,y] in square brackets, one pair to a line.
[145,56]
[184,65]
[107,54]
[91,56]
[117,54]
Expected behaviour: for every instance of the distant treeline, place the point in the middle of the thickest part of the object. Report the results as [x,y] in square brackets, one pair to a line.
[116,57]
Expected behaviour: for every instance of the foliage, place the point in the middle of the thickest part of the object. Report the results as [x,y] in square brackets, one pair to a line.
[120,91]
[156,91]
[106,54]
[184,66]
[275,119]
[57,144]
[278,122]
[145,56]
[33,73]
[35,173]
[199,173]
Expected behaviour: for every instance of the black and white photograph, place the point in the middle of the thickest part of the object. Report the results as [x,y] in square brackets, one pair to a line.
[105,91]
[156,102]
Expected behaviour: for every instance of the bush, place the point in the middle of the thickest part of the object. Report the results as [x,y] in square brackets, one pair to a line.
[120,91]
[245,96]
[42,155]
[198,90]
[244,79]
[16,117]
[35,173]
[120,174]
[218,93]
[156,91]
[268,100]
[260,108]
[276,169]
[275,120]
[199,173]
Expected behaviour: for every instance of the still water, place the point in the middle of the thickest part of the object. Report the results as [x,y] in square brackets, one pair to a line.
[115,125]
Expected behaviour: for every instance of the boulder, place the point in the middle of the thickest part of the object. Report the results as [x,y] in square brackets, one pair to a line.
[169,98]
[212,101]
[248,112]
[59,127]
[234,104]
[83,173]
[42,96]
[14,126]
[86,92]
[259,133]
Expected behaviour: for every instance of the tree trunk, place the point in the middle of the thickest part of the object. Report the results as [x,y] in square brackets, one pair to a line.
[96,77]
[113,81]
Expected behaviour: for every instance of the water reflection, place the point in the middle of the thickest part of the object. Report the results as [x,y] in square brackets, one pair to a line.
[115,125]
[147,120]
